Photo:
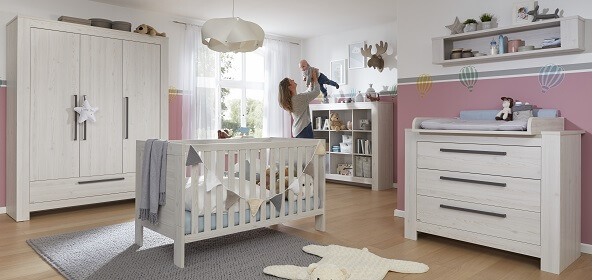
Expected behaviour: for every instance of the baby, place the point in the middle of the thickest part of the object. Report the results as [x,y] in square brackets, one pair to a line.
[307,71]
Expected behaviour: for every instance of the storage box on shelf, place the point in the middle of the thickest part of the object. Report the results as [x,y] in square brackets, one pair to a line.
[569,29]
[365,153]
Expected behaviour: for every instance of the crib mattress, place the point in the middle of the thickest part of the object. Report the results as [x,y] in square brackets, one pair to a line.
[487,125]
[200,227]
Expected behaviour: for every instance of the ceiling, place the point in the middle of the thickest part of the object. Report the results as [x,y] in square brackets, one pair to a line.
[291,18]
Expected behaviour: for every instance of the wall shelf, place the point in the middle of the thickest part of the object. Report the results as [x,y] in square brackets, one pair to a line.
[569,29]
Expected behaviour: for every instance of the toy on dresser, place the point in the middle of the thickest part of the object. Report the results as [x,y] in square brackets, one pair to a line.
[506,113]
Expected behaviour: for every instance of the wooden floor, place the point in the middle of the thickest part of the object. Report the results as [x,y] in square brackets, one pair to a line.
[356,217]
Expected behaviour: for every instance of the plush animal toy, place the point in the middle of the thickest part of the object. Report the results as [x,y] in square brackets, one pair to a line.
[224,133]
[336,124]
[147,29]
[506,113]
[305,178]
[344,263]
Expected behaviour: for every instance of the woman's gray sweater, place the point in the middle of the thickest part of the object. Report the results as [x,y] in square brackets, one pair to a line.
[300,111]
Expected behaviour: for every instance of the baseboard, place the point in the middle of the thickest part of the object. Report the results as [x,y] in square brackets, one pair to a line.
[586,248]
[399,213]
[2,210]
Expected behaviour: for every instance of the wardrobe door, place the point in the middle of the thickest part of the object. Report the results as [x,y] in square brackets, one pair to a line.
[141,92]
[54,88]
[101,84]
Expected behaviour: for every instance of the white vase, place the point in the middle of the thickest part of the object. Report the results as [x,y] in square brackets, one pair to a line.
[470,27]
[486,25]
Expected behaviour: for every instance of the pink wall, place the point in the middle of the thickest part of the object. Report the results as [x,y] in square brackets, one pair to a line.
[2,147]
[175,117]
[446,99]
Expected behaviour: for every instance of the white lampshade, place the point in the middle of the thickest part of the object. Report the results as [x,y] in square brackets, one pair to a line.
[232,35]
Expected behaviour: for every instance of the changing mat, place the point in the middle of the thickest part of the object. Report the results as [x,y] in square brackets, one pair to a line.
[487,125]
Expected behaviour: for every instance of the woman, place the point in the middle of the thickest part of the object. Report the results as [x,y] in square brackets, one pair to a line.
[297,105]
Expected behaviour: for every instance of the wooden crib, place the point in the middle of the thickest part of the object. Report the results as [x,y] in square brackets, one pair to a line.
[235,159]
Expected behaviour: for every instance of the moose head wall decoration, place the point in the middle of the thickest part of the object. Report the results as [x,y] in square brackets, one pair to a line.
[375,60]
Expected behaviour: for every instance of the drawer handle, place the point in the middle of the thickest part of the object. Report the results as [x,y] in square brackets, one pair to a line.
[100,181]
[473,181]
[473,211]
[473,152]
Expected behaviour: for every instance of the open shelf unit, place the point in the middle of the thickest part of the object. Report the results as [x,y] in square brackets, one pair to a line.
[373,168]
[571,30]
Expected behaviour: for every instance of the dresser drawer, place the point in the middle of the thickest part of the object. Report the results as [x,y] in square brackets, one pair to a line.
[511,161]
[517,225]
[51,190]
[516,193]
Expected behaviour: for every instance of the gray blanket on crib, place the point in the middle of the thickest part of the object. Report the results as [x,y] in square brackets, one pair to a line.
[153,188]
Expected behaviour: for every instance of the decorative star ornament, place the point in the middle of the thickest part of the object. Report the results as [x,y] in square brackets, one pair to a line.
[86,112]
[456,27]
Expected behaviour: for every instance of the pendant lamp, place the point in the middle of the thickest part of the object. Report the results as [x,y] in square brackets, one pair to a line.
[232,34]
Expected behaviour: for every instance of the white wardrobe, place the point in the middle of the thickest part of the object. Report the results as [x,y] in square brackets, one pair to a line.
[52,67]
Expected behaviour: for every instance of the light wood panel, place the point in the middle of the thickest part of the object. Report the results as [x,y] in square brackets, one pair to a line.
[55,67]
[356,217]
[142,85]
[101,83]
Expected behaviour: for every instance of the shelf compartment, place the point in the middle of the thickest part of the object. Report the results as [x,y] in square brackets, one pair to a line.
[569,29]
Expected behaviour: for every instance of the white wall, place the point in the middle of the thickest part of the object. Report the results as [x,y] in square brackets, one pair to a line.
[89,9]
[415,44]
[320,51]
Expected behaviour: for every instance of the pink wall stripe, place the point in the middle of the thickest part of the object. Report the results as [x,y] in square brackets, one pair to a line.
[446,99]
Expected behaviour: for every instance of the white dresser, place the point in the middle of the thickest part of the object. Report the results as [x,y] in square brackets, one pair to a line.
[515,191]
[52,160]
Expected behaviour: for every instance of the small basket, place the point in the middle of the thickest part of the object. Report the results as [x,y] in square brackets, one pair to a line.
[122,25]
[345,147]
[100,22]
[347,138]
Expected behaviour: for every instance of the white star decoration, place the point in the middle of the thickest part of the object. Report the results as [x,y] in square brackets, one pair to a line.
[86,112]
[456,27]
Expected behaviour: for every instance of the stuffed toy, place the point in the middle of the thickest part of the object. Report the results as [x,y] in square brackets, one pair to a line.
[305,178]
[147,29]
[506,113]
[344,263]
[336,124]
[224,134]
[86,112]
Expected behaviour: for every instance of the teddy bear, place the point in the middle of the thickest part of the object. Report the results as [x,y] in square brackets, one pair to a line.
[341,262]
[224,133]
[306,178]
[336,124]
[506,113]
[147,29]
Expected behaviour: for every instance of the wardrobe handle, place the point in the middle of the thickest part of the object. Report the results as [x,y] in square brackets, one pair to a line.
[75,118]
[473,211]
[101,181]
[84,134]
[473,152]
[126,117]
[472,181]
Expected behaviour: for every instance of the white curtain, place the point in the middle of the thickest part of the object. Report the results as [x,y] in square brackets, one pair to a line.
[199,110]
[276,121]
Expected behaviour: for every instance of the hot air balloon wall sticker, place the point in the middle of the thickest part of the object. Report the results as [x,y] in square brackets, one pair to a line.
[468,77]
[424,84]
[550,76]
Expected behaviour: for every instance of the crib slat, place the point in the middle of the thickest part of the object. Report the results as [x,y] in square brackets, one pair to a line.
[292,161]
[231,186]
[194,198]
[220,162]
[263,181]
[273,154]
[207,212]
[241,184]
[315,186]
[300,154]
[252,175]
[308,191]
[282,184]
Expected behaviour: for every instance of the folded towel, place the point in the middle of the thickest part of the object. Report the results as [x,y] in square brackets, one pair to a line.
[153,188]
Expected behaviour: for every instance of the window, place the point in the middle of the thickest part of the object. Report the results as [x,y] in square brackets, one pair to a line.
[238,80]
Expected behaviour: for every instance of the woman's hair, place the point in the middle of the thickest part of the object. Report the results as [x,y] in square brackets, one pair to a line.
[285,95]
